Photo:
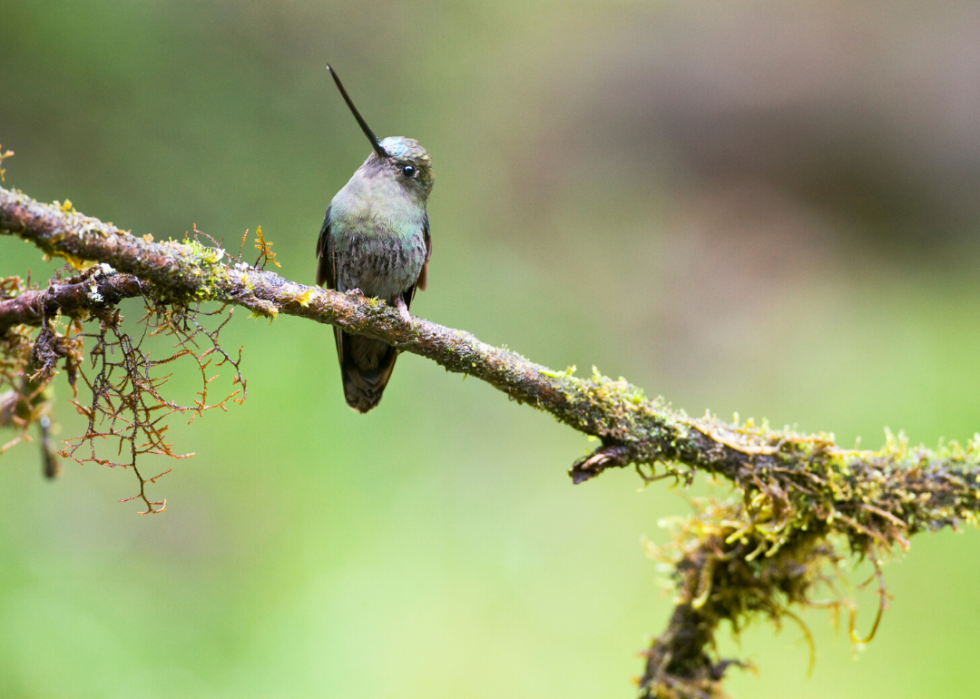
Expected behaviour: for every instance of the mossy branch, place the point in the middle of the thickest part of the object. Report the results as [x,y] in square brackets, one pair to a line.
[801,496]
[75,298]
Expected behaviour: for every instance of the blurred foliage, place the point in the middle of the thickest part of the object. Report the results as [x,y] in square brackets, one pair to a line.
[742,208]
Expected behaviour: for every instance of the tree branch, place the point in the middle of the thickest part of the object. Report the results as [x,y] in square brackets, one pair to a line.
[756,554]
[74,298]
[633,429]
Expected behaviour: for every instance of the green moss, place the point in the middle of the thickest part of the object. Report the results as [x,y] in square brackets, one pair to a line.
[569,372]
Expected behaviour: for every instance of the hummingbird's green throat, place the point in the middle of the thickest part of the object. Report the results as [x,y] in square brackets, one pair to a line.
[375,240]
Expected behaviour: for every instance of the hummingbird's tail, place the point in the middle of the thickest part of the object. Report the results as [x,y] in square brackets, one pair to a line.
[365,366]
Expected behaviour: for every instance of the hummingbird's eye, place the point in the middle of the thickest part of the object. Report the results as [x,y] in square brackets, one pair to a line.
[408,171]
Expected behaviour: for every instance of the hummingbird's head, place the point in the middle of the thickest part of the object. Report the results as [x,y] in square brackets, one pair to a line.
[401,157]
[409,162]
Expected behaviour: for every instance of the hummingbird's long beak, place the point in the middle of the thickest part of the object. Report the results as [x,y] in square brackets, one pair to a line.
[375,143]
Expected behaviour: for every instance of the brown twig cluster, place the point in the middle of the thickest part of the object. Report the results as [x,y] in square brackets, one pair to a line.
[128,411]
[800,503]
[127,415]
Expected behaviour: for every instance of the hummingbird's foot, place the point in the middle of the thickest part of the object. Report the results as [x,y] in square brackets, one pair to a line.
[354,292]
[403,310]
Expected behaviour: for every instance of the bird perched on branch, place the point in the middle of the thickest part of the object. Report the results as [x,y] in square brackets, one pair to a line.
[375,240]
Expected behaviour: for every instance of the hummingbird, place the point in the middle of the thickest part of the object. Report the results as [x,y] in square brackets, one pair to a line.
[375,241]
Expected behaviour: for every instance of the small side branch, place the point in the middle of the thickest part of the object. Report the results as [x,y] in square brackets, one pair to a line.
[97,289]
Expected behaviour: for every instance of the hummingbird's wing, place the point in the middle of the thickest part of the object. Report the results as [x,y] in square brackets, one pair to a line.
[325,270]
[424,274]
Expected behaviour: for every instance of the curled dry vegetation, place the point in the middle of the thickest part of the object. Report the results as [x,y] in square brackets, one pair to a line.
[126,411]
[800,504]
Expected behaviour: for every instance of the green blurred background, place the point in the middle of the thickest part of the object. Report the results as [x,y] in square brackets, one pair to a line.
[764,207]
